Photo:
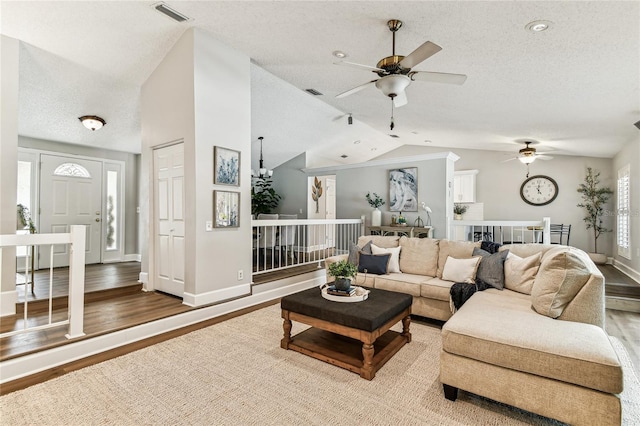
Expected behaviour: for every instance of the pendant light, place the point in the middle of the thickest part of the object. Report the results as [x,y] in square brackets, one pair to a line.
[264,173]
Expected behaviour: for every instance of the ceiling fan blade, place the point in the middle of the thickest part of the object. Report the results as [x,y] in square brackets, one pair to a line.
[510,159]
[353,64]
[400,99]
[544,157]
[438,77]
[426,50]
[356,89]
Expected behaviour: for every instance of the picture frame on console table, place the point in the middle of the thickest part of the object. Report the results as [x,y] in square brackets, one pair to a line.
[226,209]
[403,190]
[226,166]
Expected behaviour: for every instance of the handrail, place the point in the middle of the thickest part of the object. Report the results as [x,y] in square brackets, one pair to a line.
[76,239]
[517,231]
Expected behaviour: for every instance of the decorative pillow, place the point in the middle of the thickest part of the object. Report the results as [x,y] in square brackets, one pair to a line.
[460,270]
[456,249]
[419,256]
[394,262]
[374,263]
[366,249]
[354,252]
[491,267]
[559,279]
[519,273]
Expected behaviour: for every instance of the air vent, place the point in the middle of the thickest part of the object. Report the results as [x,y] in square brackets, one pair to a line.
[171,13]
[344,156]
[637,124]
[314,92]
[394,136]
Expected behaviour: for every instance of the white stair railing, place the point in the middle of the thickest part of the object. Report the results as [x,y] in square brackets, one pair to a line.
[502,231]
[76,241]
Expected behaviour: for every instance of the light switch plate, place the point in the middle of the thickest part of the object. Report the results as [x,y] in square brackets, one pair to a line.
[209,226]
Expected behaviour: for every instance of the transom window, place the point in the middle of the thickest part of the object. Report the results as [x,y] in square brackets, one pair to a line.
[72,170]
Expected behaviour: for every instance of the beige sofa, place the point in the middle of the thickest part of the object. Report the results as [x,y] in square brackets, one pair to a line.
[545,352]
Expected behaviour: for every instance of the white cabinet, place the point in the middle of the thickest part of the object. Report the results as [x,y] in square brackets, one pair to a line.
[464,186]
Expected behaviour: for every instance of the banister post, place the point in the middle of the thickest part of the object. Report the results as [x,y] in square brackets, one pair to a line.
[76,281]
[546,231]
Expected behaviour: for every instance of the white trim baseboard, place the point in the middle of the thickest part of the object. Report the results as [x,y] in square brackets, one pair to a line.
[132,258]
[627,270]
[229,293]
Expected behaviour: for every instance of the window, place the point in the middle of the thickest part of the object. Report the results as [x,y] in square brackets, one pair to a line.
[72,169]
[112,210]
[623,213]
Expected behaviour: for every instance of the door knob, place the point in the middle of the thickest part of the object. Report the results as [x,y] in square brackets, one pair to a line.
[97,212]
[97,219]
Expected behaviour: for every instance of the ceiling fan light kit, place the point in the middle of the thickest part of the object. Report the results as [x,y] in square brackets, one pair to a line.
[92,122]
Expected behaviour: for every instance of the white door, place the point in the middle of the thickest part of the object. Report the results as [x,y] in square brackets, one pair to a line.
[169,213]
[70,194]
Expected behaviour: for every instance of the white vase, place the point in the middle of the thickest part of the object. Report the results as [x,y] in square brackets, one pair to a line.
[376,217]
[457,217]
[598,258]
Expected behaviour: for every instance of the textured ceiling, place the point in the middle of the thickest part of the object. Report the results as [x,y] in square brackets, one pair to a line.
[575,88]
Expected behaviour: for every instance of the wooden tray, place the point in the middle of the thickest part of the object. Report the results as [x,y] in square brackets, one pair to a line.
[361,294]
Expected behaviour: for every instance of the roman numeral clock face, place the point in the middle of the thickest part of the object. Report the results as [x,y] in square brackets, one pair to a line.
[539,190]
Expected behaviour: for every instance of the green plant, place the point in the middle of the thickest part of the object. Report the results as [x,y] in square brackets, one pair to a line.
[459,208]
[263,197]
[24,218]
[593,201]
[342,269]
[376,201]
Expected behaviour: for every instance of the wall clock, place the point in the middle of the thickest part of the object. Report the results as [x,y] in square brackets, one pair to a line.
[539,190]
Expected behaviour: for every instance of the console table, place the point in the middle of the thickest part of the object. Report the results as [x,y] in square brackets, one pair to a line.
[410,231]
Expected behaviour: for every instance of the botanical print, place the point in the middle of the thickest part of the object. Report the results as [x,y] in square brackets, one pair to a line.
[227,166]
[227,209]
[403,190]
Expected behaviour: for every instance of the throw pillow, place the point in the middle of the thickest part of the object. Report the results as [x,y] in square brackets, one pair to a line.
[559,279]
[456,249]
[354,252]
[419,256]
[374,264]
[366,249]
[460,270]
[491,267]
[394,262]
[519,273]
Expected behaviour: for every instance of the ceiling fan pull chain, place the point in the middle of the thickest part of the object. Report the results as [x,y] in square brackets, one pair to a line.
[392,125]
[527,171]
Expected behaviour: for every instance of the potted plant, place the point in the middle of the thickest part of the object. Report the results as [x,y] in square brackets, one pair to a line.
[594,199]
[343,271]
[376,214]
[459,210]
[263,197]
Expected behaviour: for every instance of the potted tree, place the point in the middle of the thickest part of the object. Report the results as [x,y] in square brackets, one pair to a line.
[376,215]
[459,210]
[594,199]
[343,271]
[263,197]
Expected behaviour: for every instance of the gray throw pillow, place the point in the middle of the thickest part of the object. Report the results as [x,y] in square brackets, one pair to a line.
[491,268]
[354,252]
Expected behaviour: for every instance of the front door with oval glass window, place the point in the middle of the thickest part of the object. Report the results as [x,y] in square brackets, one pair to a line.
[70,194]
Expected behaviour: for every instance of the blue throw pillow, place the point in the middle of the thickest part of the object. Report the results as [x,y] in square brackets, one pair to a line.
[374,263]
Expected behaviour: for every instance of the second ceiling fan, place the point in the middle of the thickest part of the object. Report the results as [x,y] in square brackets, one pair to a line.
[396,73]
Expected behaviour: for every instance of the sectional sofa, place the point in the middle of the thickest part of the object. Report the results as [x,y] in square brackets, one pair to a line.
[538,343]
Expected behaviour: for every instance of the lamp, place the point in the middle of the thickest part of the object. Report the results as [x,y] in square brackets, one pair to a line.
[263,171]
[392,85]
[527,159]
[92,122]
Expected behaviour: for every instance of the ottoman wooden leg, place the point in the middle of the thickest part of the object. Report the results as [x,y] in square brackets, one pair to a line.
[450,392]
[367,364]
[286,326]
[405,328]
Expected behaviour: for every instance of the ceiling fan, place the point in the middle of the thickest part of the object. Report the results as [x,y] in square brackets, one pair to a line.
[528,155]
[395,71]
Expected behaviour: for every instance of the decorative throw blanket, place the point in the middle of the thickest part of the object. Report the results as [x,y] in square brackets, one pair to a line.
[461,292]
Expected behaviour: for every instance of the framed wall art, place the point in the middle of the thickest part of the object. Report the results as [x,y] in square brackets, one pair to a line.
[226,209]
[226,166]
[403,190]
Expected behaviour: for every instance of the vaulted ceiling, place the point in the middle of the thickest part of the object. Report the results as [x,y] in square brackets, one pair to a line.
[575,87]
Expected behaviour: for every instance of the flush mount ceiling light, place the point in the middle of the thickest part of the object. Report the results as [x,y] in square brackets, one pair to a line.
[538,26]
[92,122]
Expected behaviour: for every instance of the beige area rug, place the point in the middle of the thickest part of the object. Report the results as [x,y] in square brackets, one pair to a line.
[235,373]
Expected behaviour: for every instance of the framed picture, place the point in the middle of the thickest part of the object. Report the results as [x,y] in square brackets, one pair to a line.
[403,190]
[226,209]
[226,166]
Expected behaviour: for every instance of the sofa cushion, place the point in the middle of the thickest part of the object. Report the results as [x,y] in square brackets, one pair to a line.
[519,273]
[377,264]
[499,327]
[560,277]
[461,270]
[402,283]
[419,256]
[455,249]
[436,288]
[394,261]
[526,250]
[491,267]
[379,240]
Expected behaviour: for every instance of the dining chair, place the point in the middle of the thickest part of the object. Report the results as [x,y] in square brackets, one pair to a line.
[287,236]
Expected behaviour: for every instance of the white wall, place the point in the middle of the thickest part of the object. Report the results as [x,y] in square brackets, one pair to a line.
[9,78]
[498,187]
[630,154]
[290,182]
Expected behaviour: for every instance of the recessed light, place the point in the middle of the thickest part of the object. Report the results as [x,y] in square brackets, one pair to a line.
[538,26]
[427,141]
[356,142]
[339,54]
[374,149]
[414,132]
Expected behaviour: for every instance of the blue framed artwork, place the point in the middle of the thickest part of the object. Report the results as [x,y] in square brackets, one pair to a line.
[226,166]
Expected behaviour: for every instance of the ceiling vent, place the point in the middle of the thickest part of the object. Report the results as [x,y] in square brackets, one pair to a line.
[171,13]
[314,92]
[344,156]
[394,136]
[637,124]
